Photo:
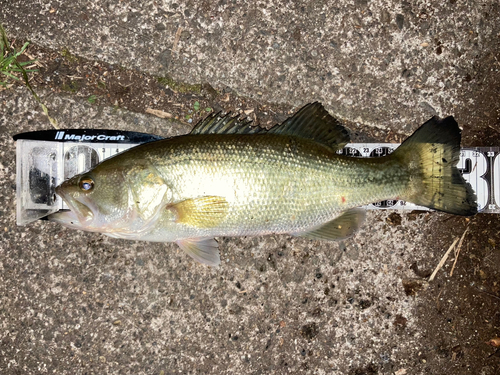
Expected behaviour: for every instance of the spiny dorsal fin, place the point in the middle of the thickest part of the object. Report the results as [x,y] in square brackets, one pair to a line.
[311,122]
[315,123]
[217,124]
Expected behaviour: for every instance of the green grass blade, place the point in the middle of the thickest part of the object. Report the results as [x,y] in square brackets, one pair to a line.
[10,75]
[27,62]
[9,63]
[3,40]
[25,45]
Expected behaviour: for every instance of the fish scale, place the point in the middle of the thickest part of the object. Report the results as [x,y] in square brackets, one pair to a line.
[273,184]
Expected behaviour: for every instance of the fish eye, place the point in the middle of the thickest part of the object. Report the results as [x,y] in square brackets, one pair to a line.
[86,184]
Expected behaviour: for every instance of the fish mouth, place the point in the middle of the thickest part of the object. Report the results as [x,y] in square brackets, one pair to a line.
[66,218]
[78,210]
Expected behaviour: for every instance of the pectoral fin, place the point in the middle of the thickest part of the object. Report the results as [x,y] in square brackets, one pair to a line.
[203,212]
[341,227]
[203,250]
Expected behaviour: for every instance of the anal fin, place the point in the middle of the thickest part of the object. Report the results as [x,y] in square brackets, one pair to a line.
[339,228]
[203,250]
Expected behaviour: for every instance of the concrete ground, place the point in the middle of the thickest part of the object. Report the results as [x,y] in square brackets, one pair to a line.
[74,302]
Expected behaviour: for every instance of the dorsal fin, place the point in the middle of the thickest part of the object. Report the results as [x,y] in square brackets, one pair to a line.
[217,124]
[311,122]
[315,123]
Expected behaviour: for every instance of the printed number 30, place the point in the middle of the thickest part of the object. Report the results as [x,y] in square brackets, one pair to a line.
[476,176]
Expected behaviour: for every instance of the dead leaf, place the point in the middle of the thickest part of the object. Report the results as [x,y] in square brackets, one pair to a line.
[494,342]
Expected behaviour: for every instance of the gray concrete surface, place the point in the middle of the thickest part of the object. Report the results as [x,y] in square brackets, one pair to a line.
[383,63]
[73,302]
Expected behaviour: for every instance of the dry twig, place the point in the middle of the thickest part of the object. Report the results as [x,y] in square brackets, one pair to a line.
[176,39]
[457,251]
[443,259]
[158,113]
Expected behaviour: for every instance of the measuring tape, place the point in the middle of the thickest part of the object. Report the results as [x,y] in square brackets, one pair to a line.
[44,159]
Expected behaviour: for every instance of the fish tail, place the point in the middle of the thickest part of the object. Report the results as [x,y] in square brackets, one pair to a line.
[432,154]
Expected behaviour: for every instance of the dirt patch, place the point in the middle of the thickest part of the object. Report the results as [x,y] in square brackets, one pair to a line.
[461,312]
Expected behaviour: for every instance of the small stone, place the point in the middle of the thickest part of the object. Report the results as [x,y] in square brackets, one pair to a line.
[165,58]
[400,321]
[385,16]
[400,19]
[139,262]
[413,286]
[309,331]
[364,304]
[394,219]
[342,246]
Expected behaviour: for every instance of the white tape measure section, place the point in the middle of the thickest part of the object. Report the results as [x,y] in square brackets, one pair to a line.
[474,166]
[44,164]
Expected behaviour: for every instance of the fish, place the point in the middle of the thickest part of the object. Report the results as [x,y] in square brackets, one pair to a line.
[228,178]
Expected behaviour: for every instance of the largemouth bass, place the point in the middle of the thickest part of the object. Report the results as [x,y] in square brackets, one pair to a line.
[226,178]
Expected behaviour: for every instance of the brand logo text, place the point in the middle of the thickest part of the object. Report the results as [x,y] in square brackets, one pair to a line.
[83,137]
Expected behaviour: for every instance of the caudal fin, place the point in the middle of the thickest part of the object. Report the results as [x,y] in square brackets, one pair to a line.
[432,153]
